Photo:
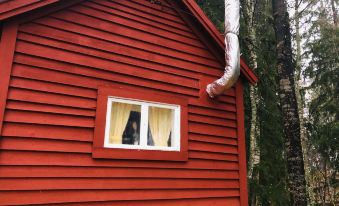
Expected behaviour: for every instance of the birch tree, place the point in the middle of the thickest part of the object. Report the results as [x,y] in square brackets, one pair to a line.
[298,14]
[248,12]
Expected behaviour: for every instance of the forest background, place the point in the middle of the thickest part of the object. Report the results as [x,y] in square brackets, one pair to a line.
[315,43]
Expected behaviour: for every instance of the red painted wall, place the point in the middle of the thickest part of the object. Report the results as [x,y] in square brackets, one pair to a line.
[59,61]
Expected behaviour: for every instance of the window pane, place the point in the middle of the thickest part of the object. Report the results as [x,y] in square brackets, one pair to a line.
[125,124]
[160,123]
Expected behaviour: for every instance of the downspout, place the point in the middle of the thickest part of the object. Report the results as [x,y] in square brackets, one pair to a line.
[232,51]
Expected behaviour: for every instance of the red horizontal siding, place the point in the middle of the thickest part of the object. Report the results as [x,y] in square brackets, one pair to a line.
[154,10]
[212,139]
[43,197]
[62,77]
[178,202]
[183,202]
[29,144]
[48,119]
[50,98]
[78,159]
[105,172]
[28,106]
[44,131]
[59,62]
[200,150]
[139,17]
[14,184]
[212,112]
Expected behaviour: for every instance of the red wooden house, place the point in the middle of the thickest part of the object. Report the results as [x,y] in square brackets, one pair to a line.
[84,85]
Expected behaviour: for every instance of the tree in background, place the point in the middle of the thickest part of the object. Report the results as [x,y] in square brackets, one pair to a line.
[300,9]
[271,189]
[214,9]
[269,185]
[322,71]
[250,10]
[288,104]
[316,63]
[266,162]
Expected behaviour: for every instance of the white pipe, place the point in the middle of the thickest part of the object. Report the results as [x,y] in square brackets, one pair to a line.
[232,51]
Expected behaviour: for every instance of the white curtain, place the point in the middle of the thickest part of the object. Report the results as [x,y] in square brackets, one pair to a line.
[160,122]
[119,117]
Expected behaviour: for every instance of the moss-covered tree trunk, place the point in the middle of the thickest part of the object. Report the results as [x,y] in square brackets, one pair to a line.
[248,11]
[300,102]
[288,103]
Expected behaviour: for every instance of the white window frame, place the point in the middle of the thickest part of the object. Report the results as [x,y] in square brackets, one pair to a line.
[175,137]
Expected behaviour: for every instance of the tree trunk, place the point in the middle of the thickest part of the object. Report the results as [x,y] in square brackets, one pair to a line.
[288,103]
[254,158]
[324,184]
[304,140]
[334,11]
[248,11]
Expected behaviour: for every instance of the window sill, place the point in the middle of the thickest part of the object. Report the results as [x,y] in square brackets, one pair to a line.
[110,153]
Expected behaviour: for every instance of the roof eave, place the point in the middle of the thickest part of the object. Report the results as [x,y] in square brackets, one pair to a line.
[21,8]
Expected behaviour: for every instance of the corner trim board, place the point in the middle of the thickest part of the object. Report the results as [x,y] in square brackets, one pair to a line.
[7,48]
[241,143]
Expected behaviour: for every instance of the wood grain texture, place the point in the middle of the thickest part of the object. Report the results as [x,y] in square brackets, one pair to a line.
[60,59]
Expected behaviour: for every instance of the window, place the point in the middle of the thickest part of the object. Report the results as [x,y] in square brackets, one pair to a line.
[135,124]
[138,123]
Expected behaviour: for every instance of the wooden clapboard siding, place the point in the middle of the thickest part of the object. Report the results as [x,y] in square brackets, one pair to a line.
[182,202]
[40,158]
[29,106]
[59,61]
[135,15]
[56,196]
[198,150]
[211,201]
[44,131]
[103,172]
[14,184]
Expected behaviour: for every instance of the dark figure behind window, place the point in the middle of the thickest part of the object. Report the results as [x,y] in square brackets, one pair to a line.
[131,133]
